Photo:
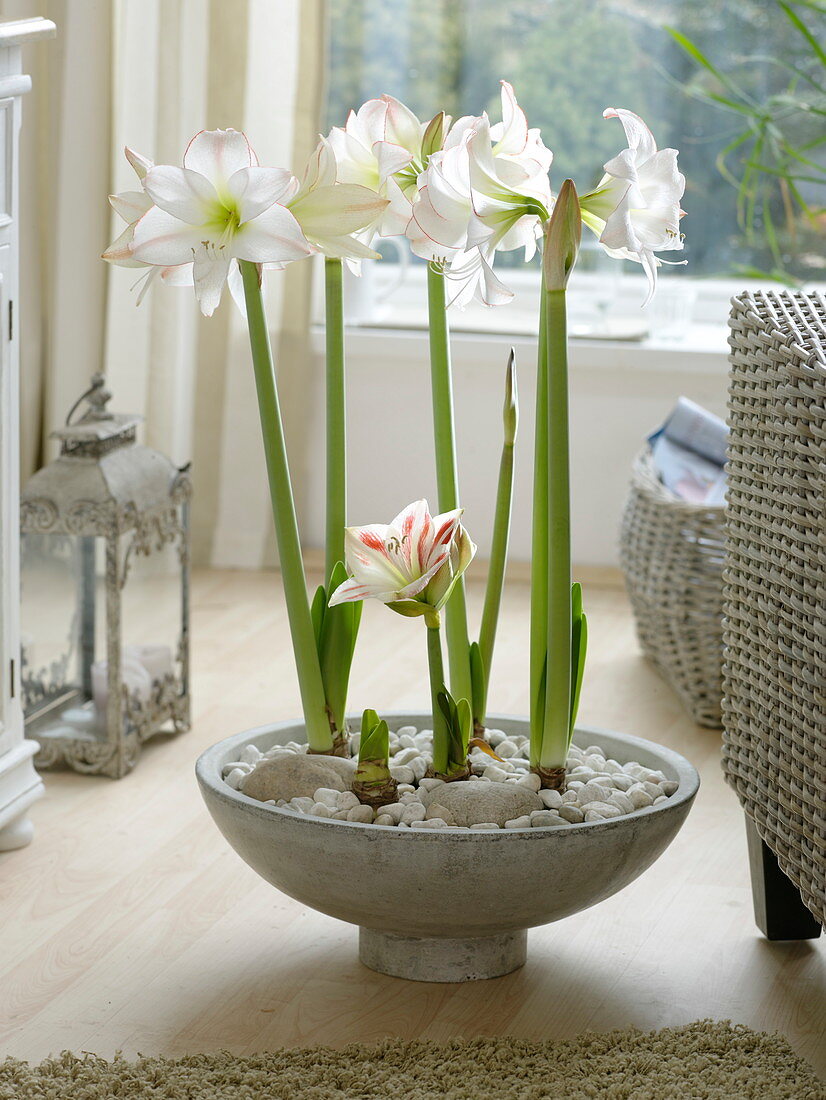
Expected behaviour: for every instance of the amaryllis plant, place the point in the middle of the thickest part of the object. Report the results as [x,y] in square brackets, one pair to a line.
[461,192]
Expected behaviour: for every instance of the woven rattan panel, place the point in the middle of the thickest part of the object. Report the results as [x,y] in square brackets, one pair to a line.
[774,709]
[671,552]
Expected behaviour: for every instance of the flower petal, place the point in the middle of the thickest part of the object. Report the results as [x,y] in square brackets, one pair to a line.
[402,127]
[140,163]
[274,236]
[184,194]
[254,190]
[130,205]
[337,211]
[209,274]
[217,154]
[639,137]
[163,240]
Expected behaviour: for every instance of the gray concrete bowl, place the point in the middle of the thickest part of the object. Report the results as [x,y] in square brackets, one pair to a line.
[445,905]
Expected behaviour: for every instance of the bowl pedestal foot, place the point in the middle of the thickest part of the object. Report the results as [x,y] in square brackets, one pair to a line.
[443,960]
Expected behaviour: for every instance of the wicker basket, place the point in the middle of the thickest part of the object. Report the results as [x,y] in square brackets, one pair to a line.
[774,745]
[671,552]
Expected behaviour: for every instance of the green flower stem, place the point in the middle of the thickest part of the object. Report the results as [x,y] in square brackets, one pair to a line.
[336,418]
[458,643]
[286,527]
[441,737]
[539,544]
[496,568]
[556,731]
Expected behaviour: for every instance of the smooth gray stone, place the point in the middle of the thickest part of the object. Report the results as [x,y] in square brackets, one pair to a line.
[297,776]
[473,803]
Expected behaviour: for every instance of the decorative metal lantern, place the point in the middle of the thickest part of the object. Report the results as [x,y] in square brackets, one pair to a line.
[105,663]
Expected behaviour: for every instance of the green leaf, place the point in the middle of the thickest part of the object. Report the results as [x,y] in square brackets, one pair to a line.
[336,648]
[478,683]
[798,23]
[317,609]
[375,738]
[579,646]
[694,52]
[464,717]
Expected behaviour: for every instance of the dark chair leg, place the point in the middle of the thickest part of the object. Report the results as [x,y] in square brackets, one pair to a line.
[778,908]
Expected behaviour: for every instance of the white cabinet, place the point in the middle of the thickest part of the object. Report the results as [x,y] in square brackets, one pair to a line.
[19,783]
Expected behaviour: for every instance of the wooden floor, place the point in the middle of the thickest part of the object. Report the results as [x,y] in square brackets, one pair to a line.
[130,924]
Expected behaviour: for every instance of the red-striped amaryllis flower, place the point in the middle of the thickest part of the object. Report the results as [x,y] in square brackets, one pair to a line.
[219,207]
[410,564]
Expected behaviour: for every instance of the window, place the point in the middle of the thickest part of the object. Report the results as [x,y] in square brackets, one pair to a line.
[569,59]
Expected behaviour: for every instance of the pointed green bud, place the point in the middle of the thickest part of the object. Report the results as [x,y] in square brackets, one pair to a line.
[434,135]
[563,232]
[510,412]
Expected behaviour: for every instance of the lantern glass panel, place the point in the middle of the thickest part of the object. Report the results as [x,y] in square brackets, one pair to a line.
[63,622]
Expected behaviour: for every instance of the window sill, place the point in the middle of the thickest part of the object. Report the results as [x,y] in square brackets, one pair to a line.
[702,348]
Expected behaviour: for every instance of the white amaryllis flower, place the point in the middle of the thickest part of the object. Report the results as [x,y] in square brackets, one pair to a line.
[410,564]
[487,191]
[635,208]
[219,207]
[380,147]
[329,212]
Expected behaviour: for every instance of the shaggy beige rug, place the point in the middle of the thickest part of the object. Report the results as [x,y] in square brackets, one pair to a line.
[705,1060]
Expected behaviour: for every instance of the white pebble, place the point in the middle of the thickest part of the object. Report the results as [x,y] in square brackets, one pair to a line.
[639,797]
[495,737]
[593,750]
[355,744]
[340,815]
[405,756]
[622,802]
[360,813]
[405,788]
[570,813]
[582,772]
[430,784]
[568,796]
[523,822]
[531,781]
[403,774]
[593,792]
[661,798]
[434,810]
[604,809]
[551,800]
[250,754]
[384,819]
[575,785]
[622,782]
[496,774]
[596,762]
[302,804]
[431,823]
[395,810]
[506,749]
[652,788]
[406,731]
[235,778]
[321,809]
[541,818]
[419,767]
[669,787]
[413,811]
[485,825]
[406,741]
[327,796]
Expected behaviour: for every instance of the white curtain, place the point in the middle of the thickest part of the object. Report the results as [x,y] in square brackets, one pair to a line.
[151,73]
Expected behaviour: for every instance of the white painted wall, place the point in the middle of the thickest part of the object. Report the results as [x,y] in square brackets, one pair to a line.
[619,393]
